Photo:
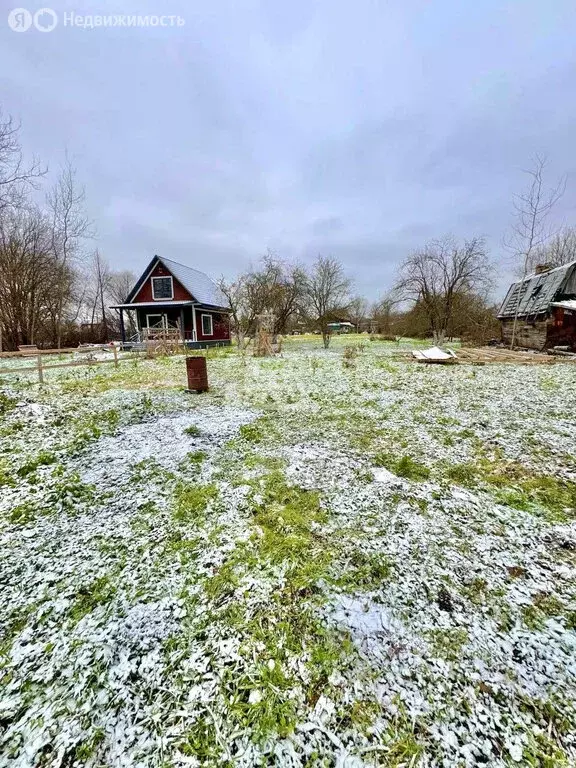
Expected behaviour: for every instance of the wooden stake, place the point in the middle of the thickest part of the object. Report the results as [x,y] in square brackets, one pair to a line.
[115,356]
[40,374]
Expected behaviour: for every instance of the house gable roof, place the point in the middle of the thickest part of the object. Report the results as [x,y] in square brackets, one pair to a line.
[203,289]
[536,292]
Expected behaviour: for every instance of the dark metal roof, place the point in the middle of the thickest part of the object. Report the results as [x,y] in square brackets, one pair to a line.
[535,293]
[200,286]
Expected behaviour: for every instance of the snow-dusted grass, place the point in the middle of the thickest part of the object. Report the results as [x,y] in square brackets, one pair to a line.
[327,559]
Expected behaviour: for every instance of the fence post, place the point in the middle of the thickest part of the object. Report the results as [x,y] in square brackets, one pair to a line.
[115,356]
[40,374]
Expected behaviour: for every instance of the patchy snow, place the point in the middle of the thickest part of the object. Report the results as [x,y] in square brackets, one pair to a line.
[460,607]
[164,440]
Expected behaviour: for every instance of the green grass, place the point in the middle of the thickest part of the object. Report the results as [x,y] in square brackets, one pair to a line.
[463,474]
[363,572]
[101,591]
[41,459]
[252,432]
[403,466]
[288,549]
[196,457]
[519,486]
[6,476]
[7,403]
[191,501]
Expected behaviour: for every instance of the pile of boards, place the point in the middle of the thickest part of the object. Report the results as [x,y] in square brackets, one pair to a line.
[483,356]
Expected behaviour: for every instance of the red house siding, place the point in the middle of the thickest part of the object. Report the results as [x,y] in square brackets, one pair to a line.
[220,326]
[145,293]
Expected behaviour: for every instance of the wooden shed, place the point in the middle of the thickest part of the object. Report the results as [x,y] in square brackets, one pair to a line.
[544,305]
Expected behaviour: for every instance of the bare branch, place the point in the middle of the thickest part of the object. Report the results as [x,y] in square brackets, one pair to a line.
[15,175]
[529,230]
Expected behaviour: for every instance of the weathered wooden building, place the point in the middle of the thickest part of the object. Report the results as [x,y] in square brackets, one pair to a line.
[174,299]
[544,307]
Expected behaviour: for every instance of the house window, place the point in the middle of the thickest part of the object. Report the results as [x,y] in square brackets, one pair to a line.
[162,288]
[207,329]
[156,321]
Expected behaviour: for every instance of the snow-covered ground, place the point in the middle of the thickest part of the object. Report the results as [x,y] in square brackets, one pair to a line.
[323,561]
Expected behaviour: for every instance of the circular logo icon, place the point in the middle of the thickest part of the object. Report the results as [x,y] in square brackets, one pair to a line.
[19,19]
[45,20]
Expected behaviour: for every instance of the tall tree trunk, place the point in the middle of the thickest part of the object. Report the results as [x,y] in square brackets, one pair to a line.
[439,337]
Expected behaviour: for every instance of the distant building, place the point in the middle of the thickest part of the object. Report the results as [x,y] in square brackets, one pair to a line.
[341,326]
[171,299]
[544,304]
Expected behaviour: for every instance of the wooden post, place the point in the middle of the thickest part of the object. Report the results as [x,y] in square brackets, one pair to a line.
[115,356]
[40,374]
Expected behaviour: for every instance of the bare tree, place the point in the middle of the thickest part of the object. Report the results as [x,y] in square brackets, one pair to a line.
[100,280]
[382,312]
[242,310]
[16,176]
[358,311]
[530,231]
[435,275]
[119,285]
[289,286]
[27,275]
[70,226]
[327,290]
[277,288]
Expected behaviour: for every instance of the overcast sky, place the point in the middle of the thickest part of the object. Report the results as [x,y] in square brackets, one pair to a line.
[357,129]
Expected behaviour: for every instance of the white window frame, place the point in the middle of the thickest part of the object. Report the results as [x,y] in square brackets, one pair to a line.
[163,320]
[211,325]
[163,277]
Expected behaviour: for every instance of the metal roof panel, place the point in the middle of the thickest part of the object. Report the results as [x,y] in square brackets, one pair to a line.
[535,293]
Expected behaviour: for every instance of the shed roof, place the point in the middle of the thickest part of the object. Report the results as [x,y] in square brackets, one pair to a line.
[566,304]
[199,285]
[535,293]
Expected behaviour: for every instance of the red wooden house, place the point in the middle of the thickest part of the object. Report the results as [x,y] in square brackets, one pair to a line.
[171,298]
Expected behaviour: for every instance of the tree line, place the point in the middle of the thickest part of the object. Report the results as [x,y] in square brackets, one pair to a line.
[56,288]
[443,289]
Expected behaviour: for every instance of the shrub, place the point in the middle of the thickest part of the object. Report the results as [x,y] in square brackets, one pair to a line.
[350,352]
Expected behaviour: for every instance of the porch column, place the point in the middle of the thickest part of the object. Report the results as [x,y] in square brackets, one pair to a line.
[122,329]
[194,334]
[182,327]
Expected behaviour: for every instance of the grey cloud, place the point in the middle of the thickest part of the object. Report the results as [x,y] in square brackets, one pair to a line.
[359,130]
